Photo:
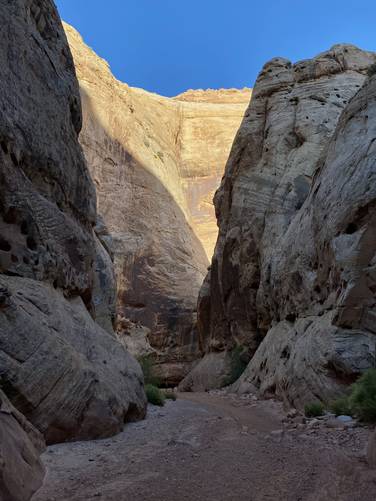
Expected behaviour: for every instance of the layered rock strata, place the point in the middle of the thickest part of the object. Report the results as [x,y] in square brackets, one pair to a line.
[293,265]
[156,163]
[68,376]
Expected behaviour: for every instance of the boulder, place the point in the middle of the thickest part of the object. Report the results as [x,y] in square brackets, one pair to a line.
[66,374]
[211,372]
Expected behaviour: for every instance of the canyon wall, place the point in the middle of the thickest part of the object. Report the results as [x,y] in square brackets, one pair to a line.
[156,163]
[68,376]
[294,262]
[21,470]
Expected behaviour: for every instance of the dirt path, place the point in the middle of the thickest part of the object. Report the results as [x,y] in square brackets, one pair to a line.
[214,448]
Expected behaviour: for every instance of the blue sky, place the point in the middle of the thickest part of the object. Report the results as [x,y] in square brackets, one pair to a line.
[168,46]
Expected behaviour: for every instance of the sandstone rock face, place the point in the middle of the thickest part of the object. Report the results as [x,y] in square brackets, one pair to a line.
[54,272]
[210,373]
[295,255]
[135,337]
[21,471]
[70,377]
[207,127]
[156,163]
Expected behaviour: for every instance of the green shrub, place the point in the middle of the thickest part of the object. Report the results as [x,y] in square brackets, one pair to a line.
[237,364]
[363,397]
[154,395]
[341,406]
[170,395]
[314,409]
[147,366]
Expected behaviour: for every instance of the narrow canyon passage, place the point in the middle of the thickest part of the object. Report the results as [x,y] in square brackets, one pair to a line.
[213,446]
[218,246]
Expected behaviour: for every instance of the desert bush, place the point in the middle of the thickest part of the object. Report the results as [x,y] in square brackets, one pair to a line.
[154,395]
[237,364]
[362,399]
[147,366]
[314,409]
[341,406]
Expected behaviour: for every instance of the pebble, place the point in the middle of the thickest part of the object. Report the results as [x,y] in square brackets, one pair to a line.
[292,413]
[313,422]
[277,433]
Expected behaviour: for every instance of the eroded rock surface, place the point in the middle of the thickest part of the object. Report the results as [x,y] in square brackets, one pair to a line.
[70,377]
[156,163]
[21,470]
[211,372]
[54,273]
[295,256]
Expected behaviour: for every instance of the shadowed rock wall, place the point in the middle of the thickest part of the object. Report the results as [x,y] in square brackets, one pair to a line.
[67,375]
[293,208]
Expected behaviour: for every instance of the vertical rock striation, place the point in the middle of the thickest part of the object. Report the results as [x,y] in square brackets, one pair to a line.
[156,163]
[70,378]
[293,261]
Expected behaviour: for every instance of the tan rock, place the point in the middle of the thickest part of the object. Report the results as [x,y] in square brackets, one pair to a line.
[55,275]
[209,373]
[299,360]
[156,163]
[323,266]
[295,209]
[135,337]
[21,470]
[70,377]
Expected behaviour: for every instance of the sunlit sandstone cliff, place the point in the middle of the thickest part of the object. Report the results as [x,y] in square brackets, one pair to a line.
[208,124]
[156,163]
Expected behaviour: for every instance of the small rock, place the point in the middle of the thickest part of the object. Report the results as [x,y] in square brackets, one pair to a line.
[334,423]
[351,424]
[313,423]
[277,433]
[344,419]
[292,413]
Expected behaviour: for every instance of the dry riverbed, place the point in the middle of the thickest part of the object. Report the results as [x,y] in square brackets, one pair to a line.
[215,447]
